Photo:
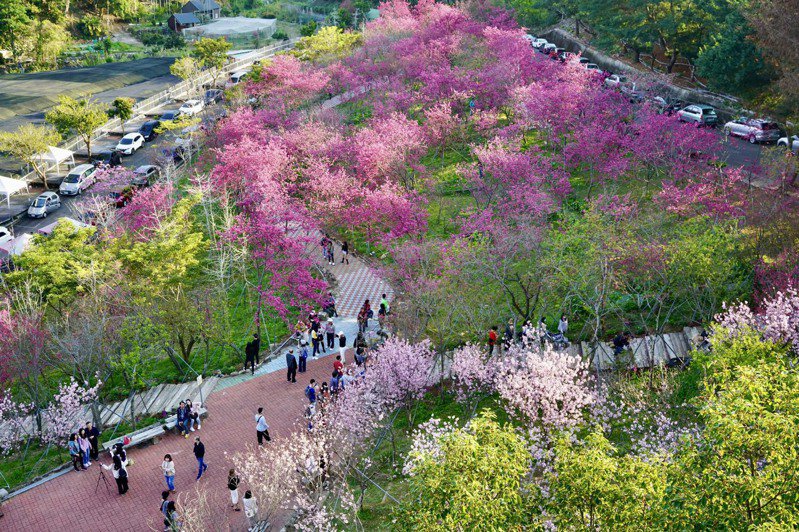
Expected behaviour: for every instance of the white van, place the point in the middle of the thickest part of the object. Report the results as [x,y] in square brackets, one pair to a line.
[235,78]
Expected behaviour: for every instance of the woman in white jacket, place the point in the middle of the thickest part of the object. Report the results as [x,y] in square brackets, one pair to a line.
[250,509]
[168,467]
[118,468]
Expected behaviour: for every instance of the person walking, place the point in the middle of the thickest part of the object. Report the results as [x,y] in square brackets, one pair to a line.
[118,469]
[261,428]
[291,366]
[331,255]
[168,468]
[345,253]
[330,334]
[303,365]
[492,339]
[85,447]
[250,509]
[233,486]
[252,353]
[199,454]
[74,452]
[342,344]
[384,301]
[93,433]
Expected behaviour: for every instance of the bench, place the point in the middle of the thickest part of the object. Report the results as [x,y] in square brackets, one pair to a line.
[171,422]
[151,433]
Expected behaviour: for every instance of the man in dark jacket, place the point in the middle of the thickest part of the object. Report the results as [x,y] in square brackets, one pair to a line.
[291,366]
[199,454]
[93,433]
[183,419]
[252,352]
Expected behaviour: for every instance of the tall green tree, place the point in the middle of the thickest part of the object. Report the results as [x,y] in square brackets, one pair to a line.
[122,108]
[27,142]
[77,117]
[211,53]
[15,24]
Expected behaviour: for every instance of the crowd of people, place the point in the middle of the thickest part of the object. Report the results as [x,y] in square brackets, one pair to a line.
[540,331]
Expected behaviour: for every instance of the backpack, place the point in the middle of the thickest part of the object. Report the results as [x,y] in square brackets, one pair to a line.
[308,392]
[122,472]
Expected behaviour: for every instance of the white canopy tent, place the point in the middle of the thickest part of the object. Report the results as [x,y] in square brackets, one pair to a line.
[10,186]
[54,156]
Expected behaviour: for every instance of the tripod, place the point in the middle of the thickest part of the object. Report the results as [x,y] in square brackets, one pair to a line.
[103,478]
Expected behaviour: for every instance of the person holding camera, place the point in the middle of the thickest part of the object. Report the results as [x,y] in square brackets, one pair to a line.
[119,469]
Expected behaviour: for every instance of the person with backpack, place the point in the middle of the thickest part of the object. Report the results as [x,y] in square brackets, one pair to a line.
[172,518]
[118,469]
[233,486]
[310,391]
[164,509]
[261,428]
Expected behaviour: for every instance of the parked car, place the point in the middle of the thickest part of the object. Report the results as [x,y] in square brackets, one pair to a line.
[144,175]
[529,38]
[174,114]
[699,114]
[77,180]
[214,96]
[148,130]
[110,158]
[538,43]
[630,90]
[593,68]
[45,203]
[614,80]
[235,78]
[191,107]
[548,48]
[557,54]
[667,106]
[753,129]
[794,143]
[130,143]
[5,235]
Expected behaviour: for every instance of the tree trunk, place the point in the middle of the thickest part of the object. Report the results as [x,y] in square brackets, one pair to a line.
[672,62]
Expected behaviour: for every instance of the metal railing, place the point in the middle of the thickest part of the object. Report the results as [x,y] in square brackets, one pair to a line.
[166,95]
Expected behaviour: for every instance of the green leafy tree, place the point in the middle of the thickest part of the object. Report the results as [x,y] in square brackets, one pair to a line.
[122,108]
[211,53]
[77,117]
[308,29]
[15,25]
[91,26]
[186,68]
[329,43]
[591,488]
[475,482]
[745,475]
[731,61]
[59,266]
[344,18]
[27,142]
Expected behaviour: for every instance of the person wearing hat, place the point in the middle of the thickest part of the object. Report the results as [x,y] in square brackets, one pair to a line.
[291,366]
[330,334]
[342,345]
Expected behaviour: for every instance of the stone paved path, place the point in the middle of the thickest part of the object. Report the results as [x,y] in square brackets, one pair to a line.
[69,502]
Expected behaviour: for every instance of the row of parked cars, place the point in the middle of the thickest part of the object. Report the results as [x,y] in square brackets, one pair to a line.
[754,130]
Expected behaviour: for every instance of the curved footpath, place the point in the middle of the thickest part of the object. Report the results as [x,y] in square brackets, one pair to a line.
[69,502]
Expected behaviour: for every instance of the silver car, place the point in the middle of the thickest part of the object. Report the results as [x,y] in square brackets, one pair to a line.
[794,143]
[701,115]
[753,129]
[79,179]
[144,175]
[44,203]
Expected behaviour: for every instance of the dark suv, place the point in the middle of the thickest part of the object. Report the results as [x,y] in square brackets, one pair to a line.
[148,130]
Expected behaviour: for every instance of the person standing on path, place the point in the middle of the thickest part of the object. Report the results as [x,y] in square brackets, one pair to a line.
[310,391]
[93,433]
[291,366]
[172,518]
[74,452]
[199,454]
[345,253]
[492,339]
[233,487]
[85,447]
[315,341]
[563,325]
[250,509]
[330,334]
[164,509]
[261,428]
[384,301]
[168,467]
[342,344]
[119,472]
[303,366]
[338,365]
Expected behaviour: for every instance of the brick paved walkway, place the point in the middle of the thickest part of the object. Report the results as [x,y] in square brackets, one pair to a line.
[69,502]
